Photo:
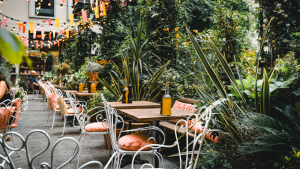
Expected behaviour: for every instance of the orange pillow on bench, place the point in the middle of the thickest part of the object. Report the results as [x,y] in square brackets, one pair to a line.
[208,135]
[134,142]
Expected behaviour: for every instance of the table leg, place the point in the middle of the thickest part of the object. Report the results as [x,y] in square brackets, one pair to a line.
[157,139]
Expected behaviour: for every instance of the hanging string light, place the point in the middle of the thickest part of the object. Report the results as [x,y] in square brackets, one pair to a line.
[49,4]
[61,5]
[1,1]
[38,25]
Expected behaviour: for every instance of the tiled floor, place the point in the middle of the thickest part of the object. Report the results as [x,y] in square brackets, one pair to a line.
[93,146]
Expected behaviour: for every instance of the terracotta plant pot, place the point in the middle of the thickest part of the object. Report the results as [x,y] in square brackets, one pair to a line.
[93,76]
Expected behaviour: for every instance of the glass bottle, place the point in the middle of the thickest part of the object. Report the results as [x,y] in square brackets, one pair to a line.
[93,86]
[162,93]
[130,93]
[166,102]
[125,92]
[81,86]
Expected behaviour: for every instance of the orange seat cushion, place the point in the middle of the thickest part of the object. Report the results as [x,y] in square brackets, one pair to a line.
[52,101]
[208,135]
[8,113]
[183,106]
[134,142]
[15,124]
[71,111]
[97,126]
[17,103]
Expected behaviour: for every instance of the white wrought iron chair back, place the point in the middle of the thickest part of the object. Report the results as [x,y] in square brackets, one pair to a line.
[7,160]
[203,114]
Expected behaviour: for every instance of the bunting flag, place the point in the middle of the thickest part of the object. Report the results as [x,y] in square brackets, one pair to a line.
[44,21]
[36,44]
[34,33]
[96,9]
[71,19]
[75,1]
[84,1]
[61,32]
[27,41]
[49,21]
[24,27]
[57,22]
[67,33]
[96,2]
[103,7]
[0,23]
[57,43]
[92,1]
[43,32]
[63,1]
[41,44]
[31,26]
[53,43]
[53,33]
[84,19]
[20,26]
[24,41]
[50,36]
[4,22]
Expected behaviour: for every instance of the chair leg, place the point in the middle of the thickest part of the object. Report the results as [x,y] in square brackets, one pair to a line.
[54,112]
[48,117]
[80,148]
[65,121]
[59,125]
[12,137]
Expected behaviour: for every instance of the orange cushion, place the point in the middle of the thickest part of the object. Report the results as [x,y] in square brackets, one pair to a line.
[177,104]
[15,124]
[97,126]
[208,135]
[71,111]
[52,101]
[17,103]
[134,142]
[9,111]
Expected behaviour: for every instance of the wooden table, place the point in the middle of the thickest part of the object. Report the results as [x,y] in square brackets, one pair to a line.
[133,105]
[149,115]
[59,87]
[84,94]
[152,115]
[74,91]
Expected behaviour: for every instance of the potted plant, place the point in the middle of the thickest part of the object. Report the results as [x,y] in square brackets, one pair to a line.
[93,69]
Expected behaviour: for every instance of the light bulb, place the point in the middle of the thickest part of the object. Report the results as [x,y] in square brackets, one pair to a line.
[1,1]
[38,25]
[49,4]
[72,8]
[61,5]
[13,28]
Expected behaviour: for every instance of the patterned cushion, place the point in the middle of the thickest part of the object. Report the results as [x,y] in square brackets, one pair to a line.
[7,113]
[183,106]
[208,135]
[177,104]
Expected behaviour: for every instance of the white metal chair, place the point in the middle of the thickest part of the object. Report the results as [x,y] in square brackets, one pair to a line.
[52,103]
[7,157]
[113,120]
[198,139]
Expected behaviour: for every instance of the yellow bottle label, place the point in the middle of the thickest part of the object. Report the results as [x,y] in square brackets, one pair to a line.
[80,87]
[166,110]
[93,88]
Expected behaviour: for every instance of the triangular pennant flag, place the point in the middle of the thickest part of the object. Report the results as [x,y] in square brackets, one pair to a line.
[4,22]
[92,1]
[53,33]
[24,27]
[31,26]
[57,43]
[34,33]
[103,7]
[96,9]
[27,41]
[75,1]
[50,36]
[42,32]
[84,1]
[71,19]
[23,41]
[67,33]
[61,32]
[84,19]
[96,2]
[36,44]
[41,44]
[49,21]
[20,26]
[57,22]
[63,1]
[44,21]
[53,43]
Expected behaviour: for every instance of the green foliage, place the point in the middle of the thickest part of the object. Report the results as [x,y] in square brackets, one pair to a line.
[11,48]
[5,69]
[211,160]
[93,67]
[289,162]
